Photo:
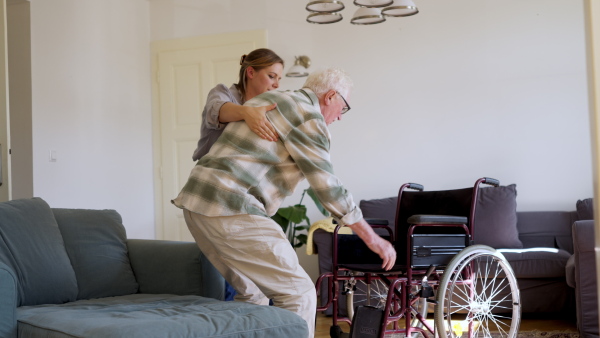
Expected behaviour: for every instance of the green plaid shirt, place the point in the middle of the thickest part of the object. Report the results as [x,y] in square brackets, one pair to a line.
[244,174]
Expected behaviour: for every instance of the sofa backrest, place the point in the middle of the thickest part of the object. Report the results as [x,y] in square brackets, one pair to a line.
[96,244]
[62,255]
[31,246]
[550,229]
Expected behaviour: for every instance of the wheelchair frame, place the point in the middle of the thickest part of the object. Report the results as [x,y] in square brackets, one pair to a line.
[453,276]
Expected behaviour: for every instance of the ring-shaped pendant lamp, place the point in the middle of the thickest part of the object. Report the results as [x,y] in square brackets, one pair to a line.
[401,8]
[325,6]
[367,16]
[373,3]
[324,18]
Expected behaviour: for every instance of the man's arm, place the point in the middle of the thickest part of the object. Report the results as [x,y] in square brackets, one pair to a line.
[378,245]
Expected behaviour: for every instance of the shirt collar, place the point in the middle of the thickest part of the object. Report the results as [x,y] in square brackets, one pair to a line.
[311,95]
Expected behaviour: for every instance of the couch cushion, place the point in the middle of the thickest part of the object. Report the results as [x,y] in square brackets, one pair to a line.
[147,316]
[585,209]
[537,262]
[96,244]
[496,217]
[32,246]
[384,208]
[550,229]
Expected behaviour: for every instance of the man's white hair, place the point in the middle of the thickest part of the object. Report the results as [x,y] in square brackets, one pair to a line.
[321,81]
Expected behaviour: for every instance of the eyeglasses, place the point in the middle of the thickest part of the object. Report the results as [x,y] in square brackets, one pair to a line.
[347,107]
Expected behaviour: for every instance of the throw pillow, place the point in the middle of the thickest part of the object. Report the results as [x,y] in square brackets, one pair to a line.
[496,217]
[384,208]
[97,246]
[32,246]
[585,209]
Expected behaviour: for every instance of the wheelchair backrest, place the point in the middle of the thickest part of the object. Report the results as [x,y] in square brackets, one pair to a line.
[457,202]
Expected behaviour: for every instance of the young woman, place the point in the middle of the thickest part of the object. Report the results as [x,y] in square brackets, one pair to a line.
[260,71]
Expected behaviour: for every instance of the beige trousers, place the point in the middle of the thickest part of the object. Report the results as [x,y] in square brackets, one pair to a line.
[255,257]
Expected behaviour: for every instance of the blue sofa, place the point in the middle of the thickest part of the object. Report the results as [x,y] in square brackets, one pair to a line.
[73,273]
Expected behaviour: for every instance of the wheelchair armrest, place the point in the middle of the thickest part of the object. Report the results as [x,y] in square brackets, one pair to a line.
[371,221]
[377,221]
[437,219]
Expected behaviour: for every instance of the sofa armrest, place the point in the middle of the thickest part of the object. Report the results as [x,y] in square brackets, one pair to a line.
[174,268]
[585,278]
[8,302]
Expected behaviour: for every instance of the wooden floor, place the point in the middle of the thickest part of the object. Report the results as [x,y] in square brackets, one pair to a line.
[529,323]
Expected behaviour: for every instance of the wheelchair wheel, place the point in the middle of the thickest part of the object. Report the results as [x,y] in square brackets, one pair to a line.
[378,291]
[478,295]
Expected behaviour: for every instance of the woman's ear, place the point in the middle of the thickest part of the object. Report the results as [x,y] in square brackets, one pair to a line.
[250,72]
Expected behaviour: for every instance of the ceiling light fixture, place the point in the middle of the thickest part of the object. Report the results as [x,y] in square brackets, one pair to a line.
[369,12]
[401,8]
[299,69]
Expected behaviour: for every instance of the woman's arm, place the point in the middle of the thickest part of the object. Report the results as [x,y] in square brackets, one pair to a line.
[255,117]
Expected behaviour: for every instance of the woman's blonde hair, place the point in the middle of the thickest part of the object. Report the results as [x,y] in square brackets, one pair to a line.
[257,59]
[321,81]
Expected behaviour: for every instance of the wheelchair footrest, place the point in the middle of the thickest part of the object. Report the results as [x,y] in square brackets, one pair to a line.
[366,322]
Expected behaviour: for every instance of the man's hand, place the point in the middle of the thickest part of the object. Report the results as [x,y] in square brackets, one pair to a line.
[385,250]
[378,245]
[256,119]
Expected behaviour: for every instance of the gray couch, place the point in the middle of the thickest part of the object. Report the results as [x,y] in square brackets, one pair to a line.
[581,271]
[538,245]
[73,273]
[584,278]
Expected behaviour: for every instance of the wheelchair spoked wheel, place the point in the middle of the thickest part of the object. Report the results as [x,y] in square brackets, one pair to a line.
[478,296]
[378,292]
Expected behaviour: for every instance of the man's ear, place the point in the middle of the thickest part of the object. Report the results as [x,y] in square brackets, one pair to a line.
[329,96]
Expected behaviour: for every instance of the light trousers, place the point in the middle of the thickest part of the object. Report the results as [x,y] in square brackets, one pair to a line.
[255,257]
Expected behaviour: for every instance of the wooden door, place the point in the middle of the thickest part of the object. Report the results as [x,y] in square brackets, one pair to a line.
[185,71]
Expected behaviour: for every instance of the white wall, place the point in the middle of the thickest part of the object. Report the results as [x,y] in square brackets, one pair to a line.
[463,89]
[91,104]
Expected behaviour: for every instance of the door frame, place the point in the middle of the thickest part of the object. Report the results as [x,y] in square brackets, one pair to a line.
[5,188]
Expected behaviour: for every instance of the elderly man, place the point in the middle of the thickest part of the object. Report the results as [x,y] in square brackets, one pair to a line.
[241,182]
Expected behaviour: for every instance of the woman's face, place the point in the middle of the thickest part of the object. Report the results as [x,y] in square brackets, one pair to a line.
[265,79]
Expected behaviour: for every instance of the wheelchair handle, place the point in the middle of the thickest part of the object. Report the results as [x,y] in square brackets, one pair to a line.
[491,181]
[415,186]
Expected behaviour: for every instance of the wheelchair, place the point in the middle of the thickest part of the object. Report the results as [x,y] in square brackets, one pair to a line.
[470,289]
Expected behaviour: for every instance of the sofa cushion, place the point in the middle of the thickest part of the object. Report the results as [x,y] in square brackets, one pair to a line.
[96,244]
[32,246]
[496,217]
[537,262]
[147,316]
[549,229]
[585,209]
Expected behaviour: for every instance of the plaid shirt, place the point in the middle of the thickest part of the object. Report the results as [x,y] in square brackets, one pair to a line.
[244,174]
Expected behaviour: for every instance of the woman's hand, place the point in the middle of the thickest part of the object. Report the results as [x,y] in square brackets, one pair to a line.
[257,120]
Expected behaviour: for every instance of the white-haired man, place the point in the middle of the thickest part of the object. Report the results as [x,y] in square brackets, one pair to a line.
[235,188]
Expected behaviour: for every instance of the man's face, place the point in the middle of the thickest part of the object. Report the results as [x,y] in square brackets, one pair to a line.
[334,106]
